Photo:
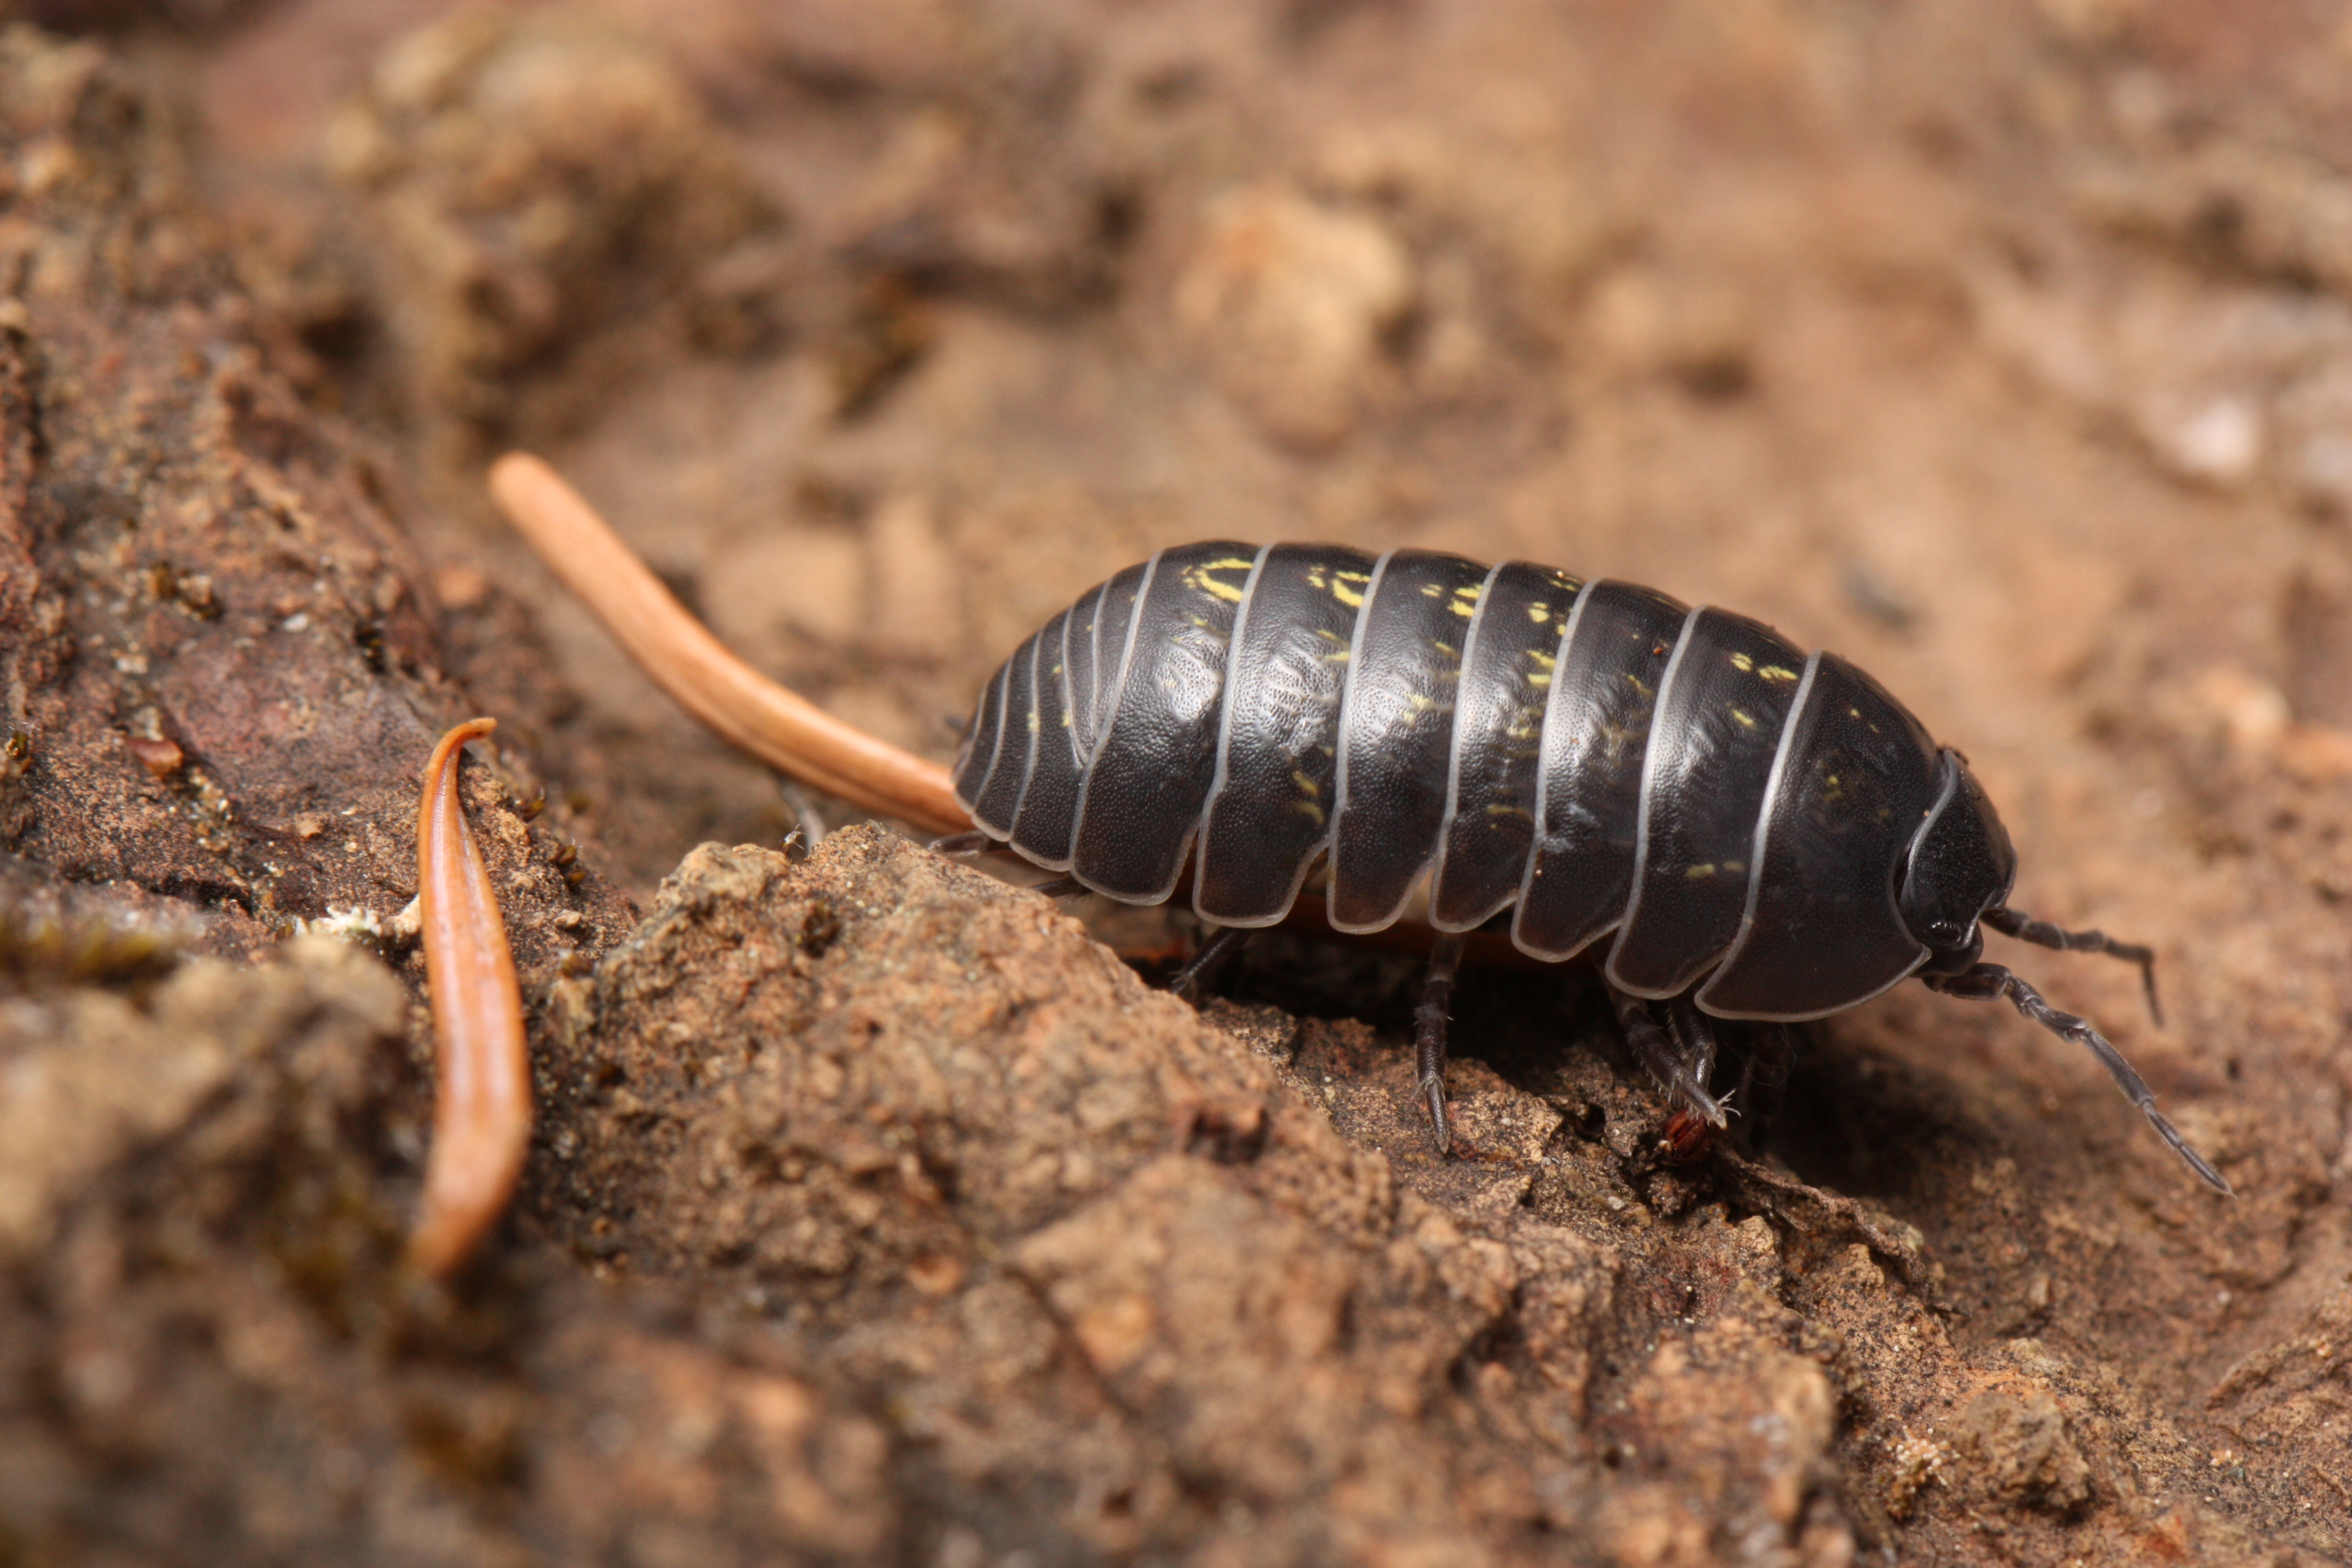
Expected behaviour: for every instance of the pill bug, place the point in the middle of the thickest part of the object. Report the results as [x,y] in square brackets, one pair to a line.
[1764,833]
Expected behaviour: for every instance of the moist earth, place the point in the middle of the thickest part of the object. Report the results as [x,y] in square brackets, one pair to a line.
[879,1210]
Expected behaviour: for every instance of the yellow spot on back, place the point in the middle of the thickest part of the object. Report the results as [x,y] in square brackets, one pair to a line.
[1741,662]
[1744,721]
[1344,595]
[1307,786]
[1229,591]
[1776,672]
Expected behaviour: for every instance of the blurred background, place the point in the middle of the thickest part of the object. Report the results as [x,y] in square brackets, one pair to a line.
[2004,346]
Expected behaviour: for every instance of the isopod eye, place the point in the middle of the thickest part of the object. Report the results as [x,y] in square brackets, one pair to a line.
[1961,865]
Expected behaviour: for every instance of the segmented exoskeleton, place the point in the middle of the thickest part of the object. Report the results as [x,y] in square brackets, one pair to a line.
[1768,833]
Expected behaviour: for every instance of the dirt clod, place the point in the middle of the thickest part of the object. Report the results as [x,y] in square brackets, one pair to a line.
[2019,1441]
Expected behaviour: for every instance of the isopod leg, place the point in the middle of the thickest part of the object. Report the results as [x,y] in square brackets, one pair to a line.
[2042,933]
[1667,1062]
[1222,943]
[1694,1039]
[1429,1022]
[1772,1053]
[805,815]
[1986,981]
[962,844]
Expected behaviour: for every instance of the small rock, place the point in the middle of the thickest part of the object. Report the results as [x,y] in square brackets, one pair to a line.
[159,757]
[2022,1450]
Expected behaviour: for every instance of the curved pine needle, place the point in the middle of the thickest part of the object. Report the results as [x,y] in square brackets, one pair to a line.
[745,708]
[481,1111]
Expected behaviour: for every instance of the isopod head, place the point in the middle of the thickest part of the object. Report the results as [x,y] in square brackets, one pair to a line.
[1961,865]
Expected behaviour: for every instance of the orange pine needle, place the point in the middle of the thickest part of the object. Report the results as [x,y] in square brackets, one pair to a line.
[745,708]
[481,1111]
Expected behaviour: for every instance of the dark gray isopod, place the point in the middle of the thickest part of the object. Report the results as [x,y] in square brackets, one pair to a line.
[1764,833]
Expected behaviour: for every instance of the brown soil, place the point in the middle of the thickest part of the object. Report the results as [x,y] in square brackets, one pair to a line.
[877,1212]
